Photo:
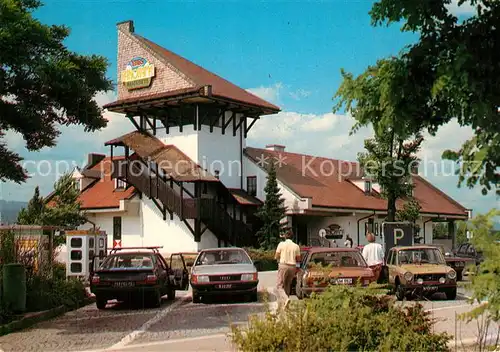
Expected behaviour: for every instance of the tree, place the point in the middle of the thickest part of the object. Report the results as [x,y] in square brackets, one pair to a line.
[33,212]
[451,72]
[486,282]
[410,212]
[271,213]
[43,85]
[391,155]
[63,210]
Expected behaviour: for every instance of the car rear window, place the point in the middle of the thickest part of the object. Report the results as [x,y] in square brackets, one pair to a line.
[129,261]
[338,259]
[227,256]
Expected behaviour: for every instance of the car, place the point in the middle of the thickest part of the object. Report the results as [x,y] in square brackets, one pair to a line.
[223,271]
[322,266]
[420,270]
[467,250]
[138,274]
[456,262]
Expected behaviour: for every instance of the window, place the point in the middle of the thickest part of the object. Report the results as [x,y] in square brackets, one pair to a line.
[76,242]
[117,228]
[368,187]
[75,267]
[252,185]
[390,257]
[120,184]
[91,242]
[76,255]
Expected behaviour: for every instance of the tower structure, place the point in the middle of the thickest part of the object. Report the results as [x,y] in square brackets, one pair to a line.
[185,156]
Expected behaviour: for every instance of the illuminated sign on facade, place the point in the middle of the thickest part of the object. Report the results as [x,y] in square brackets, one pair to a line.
[138,74]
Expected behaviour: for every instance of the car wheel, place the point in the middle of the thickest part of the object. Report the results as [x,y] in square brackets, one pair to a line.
[100,303]
[254,297]
[293,289]
[196,297]
[451,294]
[156,299]
[171,294]
[400,292]
[298,291]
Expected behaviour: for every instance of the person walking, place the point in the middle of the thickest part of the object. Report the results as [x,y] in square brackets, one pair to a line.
[348,241]
[287,255]
[374,255]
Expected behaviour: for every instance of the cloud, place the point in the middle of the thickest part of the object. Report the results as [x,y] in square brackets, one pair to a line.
[459,10]
[299,94]
[271,94]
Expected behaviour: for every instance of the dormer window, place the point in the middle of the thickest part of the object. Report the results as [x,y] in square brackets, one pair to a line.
[120,184]
[368,187]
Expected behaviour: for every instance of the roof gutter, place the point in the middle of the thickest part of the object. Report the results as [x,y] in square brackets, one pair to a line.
[364,218]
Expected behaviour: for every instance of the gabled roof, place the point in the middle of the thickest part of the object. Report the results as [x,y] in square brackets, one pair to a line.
[243,198]
[168,157]
[221,88]
[101,194]
[326,182]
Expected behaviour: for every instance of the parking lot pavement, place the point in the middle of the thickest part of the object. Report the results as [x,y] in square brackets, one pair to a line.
[179,325]
[85,328]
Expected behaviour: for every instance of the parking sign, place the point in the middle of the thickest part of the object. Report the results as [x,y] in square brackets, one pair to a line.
[397,234]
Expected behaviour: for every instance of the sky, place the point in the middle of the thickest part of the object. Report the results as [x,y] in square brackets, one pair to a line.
[289,53]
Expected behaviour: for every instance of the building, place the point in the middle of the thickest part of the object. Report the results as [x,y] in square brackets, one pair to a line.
[186,180]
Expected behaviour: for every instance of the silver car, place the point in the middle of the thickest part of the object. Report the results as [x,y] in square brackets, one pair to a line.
[224,271]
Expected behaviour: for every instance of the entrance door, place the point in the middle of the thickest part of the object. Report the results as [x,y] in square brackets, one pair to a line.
[302,239]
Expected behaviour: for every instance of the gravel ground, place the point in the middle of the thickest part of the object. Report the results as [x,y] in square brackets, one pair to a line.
[85,328]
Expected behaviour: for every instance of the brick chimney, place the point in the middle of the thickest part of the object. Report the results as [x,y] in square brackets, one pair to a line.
[275,147]
[126,26]
[94,159]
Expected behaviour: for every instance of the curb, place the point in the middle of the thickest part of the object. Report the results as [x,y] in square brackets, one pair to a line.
[471,341]
[38,317]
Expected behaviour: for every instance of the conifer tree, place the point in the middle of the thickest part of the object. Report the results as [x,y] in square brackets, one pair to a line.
[32,214]
[271,213]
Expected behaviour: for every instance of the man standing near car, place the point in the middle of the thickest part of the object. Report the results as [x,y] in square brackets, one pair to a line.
[288,255]
[374,255]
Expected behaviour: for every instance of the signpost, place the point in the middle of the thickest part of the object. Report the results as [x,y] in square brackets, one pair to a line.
[397,234]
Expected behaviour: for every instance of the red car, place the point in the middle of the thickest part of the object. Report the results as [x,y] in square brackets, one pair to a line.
[321,267]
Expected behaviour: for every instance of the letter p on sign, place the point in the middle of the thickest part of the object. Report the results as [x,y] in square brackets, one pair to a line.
[398,235]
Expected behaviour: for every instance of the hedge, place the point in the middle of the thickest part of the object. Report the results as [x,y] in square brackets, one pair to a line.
[342,319]
[265,258]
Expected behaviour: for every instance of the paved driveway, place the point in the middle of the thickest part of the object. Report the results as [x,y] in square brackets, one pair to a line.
[177,326]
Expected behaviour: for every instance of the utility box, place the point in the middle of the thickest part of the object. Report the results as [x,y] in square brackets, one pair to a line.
[82,246]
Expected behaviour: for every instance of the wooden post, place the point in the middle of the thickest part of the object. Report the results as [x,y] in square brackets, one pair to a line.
[182,200]
[197,222]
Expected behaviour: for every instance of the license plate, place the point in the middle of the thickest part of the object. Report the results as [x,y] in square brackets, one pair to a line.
[430,288]
[123,284]
[224,286]
[342,281]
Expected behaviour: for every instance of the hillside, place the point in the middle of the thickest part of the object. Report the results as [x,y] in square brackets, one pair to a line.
[9,210]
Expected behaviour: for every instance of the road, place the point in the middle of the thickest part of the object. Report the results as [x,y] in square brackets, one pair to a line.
[177,325]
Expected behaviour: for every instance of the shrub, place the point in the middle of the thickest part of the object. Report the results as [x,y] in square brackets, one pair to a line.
[45,293]
[265,258]
[375,323]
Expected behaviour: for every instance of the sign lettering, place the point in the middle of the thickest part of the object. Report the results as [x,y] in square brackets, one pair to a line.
[399,234]
[138,74]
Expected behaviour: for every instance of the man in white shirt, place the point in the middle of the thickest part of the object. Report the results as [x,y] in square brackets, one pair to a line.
[288,255]
[374,255]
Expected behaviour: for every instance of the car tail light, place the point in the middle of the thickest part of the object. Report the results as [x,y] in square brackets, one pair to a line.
[95,279]
[151,279]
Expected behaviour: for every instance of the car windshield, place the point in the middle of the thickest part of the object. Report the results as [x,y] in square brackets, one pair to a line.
[225,256]
[338,259]
[128,261]
[421,256]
